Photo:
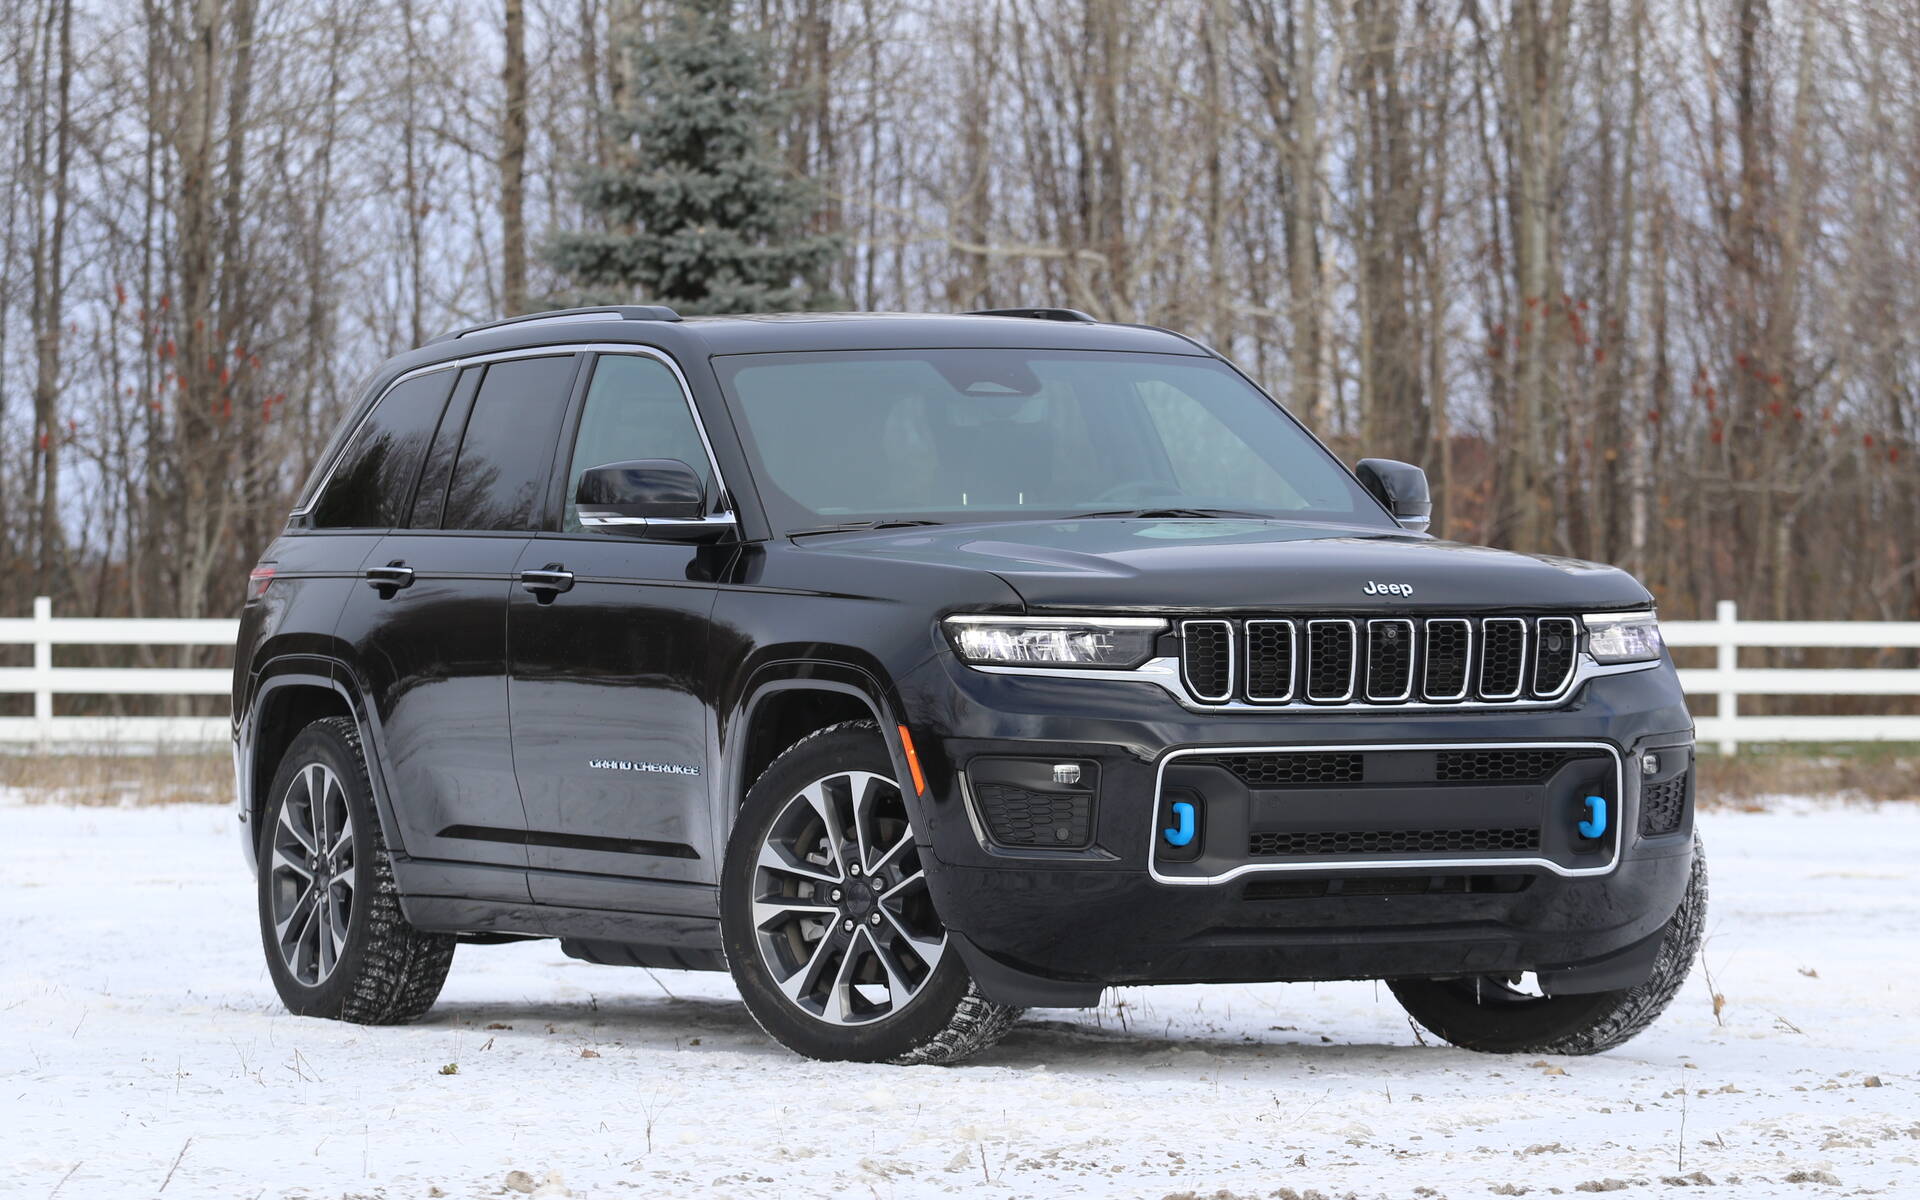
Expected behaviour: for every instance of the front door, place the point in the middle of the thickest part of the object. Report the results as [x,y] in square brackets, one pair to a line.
[610,693]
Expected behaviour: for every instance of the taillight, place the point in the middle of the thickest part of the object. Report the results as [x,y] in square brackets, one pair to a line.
[258,579]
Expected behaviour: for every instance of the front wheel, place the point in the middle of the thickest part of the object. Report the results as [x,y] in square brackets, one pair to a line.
[1496,1015]
[829,929]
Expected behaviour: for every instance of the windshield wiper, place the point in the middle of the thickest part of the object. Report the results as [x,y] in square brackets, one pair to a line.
[1169,513]
[853,526]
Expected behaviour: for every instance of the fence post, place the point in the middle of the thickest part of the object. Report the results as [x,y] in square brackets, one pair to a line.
[43,671]
[1727,613]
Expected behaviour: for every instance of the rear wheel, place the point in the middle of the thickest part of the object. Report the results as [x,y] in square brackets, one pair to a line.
[336,943]
[829,928]
[1496,1014]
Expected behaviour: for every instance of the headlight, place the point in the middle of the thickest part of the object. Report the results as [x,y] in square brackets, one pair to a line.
[1623,637]
[1112,642]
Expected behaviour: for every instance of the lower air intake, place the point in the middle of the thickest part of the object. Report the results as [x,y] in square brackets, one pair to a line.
[1663,806]
[1336,843]
[1036,820]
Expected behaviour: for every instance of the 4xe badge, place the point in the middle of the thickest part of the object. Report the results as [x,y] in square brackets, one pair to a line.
[1376,588]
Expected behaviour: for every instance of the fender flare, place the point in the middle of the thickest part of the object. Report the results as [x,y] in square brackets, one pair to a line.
[797,674]
[312,670]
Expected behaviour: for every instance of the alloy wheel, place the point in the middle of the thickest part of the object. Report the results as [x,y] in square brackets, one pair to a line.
[841,912]
[311,883]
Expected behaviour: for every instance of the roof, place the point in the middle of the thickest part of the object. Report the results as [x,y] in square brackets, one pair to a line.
[794,332]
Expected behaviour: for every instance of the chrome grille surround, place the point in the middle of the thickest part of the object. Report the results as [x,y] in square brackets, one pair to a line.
[1490,628]
[1257,631]
[1465,630]
[1545,628]
[1379,633]
[1331,627]
[1191,632]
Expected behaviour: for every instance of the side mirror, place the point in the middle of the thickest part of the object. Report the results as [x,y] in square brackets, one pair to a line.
[1402,487]
[659,496]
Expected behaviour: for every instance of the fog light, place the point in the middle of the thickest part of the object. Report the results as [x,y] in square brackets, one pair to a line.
[1649,764]
[1066,772]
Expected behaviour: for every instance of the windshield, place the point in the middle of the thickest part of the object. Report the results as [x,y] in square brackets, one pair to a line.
[842,438]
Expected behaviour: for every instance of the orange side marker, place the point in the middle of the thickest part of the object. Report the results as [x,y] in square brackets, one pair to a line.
[913,762]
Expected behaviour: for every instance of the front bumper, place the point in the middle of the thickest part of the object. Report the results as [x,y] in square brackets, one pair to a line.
[1054,926]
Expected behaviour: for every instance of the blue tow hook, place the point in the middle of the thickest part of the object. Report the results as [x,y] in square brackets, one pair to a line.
[1596,822]
[1182,832]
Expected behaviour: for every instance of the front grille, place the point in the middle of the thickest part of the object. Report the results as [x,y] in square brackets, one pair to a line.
[1499,766]
[1016,816]
[1281,770]
[1335,843]
[1384,885]
[1325,660]
[1663,806]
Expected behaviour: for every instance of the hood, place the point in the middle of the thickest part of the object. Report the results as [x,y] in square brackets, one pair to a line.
[1223,565]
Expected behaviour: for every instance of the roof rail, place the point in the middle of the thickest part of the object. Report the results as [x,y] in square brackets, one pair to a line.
[1036,314]
[567,316]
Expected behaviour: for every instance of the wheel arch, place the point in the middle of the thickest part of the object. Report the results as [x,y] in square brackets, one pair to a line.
[290,693]
[783,703]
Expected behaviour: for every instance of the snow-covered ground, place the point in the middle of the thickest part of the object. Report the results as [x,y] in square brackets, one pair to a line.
[142,1052]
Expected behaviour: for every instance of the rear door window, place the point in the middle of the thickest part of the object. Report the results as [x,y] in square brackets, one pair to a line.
[506,454]
[372,487]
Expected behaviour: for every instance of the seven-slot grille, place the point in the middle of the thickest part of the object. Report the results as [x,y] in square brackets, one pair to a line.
[1382,660]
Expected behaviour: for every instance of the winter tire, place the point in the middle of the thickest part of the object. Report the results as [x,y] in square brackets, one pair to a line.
[336,943]
[829,929]
[1488,1013]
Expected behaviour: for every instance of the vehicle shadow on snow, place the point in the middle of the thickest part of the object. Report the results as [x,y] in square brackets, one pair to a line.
[1066,1043]
[724,1023]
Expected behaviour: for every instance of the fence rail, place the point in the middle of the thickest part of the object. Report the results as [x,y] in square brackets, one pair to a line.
[1726,680]
[43,631]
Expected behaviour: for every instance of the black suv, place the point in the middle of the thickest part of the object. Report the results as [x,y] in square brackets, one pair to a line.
[918,669]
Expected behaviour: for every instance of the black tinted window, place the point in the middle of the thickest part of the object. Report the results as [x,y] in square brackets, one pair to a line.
[501,473]
[373,484]
[431,496]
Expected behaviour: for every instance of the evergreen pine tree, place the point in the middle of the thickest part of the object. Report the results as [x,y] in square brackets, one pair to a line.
[705,217]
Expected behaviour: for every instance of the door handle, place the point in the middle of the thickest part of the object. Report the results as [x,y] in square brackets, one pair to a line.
[548,582]
[389,579]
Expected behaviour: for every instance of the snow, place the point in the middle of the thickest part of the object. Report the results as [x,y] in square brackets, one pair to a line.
[142,1051]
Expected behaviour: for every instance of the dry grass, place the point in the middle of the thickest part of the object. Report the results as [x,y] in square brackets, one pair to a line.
[1864,772]
[117,780]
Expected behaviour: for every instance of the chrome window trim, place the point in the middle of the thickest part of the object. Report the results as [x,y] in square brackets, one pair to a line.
[1539,640]
[1400,864]
[1519,676]
[1293,660]
[1353,660]
[1232,654]
[1411,656]
[555,351]
[1466,665]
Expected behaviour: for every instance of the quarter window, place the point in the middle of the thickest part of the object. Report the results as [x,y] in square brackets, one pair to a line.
[635,409]
[507,453]
[373,485]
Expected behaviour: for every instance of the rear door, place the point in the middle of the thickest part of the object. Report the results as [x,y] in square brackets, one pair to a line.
[610,693]
[429,627]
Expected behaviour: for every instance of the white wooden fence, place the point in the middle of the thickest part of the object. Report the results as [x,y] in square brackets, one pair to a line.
[1726,680]
[1729,681]
[43,632]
